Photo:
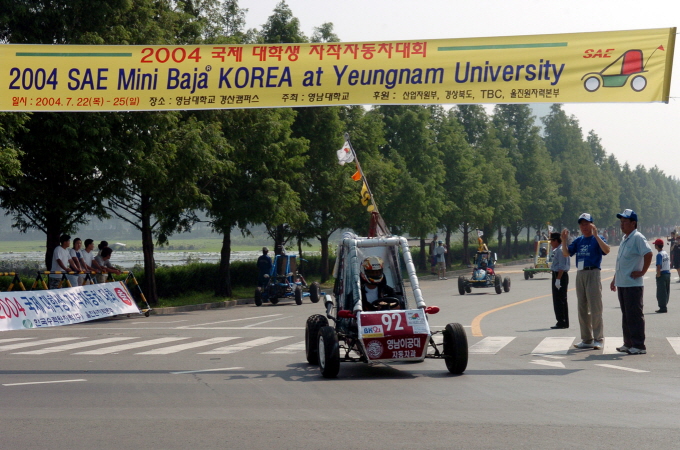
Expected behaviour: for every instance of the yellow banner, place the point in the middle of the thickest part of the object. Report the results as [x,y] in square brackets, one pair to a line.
[616,66]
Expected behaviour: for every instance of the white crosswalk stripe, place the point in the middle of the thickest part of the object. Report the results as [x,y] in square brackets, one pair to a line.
[675,343]
[548,347]
[123,347]
[35,343]
[490,345]
[180,347]
[292,348]
[65,347]
[244,345]
[553,346]
[14,339]
[610,344]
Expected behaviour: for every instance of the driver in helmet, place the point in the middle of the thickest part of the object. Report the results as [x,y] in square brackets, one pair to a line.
[373,284]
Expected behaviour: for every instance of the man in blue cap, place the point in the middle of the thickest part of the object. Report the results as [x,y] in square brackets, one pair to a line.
[632,262]
[589,249]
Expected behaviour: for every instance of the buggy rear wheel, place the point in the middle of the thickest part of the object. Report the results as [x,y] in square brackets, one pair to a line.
[526,275]
[506,284]
[298,295]
[258,296]
[461,285]
[329,352]
[455,348]
[314,324]
[314,289]
[498,284]
[274,300]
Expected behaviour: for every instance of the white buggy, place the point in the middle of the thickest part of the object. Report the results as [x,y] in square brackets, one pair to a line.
[396,329]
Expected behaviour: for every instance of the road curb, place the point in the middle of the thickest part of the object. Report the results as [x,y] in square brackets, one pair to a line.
[202,306]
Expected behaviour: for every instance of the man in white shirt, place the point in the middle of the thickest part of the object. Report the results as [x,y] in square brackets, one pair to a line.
[60,259]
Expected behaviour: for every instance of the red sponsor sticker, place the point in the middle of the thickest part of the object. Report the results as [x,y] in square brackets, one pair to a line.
[121,294]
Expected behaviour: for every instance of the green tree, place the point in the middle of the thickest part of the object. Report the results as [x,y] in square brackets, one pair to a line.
[282,27]
[536,174]
[463,189]
[166,161]
[10,125]
[411,145]
[257,189]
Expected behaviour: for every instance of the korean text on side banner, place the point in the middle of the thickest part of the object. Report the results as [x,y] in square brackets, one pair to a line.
[615,66]
[40,309]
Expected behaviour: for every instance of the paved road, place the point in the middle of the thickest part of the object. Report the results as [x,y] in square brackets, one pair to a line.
[237,378]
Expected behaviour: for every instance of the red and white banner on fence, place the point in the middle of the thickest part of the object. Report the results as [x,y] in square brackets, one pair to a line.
[41,309]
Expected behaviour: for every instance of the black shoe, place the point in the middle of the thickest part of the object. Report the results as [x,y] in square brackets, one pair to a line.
[558,327]
[661,311]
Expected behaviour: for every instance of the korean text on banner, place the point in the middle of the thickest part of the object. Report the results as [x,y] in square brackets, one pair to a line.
[612,66]
[40,309]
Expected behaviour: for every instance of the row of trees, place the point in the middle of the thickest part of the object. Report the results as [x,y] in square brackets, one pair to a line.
[429,168]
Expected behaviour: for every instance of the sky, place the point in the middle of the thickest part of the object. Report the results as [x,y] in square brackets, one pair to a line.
[637,133]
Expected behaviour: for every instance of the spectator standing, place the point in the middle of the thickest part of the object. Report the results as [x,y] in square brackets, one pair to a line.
[433,257]
[441,252]
[663,277]
[74,262]
[60,259]
[264,267]
[102,245]
[675,255]
[589,249]
[87,261]
[632,262]
[560,282]
[103,259]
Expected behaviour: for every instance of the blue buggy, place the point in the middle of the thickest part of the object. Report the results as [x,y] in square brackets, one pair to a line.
[284,281]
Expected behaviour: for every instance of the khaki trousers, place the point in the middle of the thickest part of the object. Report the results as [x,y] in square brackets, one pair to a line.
[589,296]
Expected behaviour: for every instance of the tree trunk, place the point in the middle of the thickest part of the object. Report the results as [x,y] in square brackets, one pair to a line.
[51,242]
[466,238]
[147,247]
[508,248]
[500,239]
[223,288]
[448,257]
[422,258]
[324,259]
[279,240]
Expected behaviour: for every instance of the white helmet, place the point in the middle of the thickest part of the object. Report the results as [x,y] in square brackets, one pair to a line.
[372,269]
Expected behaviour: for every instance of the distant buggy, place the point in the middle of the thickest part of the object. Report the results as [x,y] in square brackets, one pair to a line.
[284,282]
[542,260]
[389,329]
[483,275]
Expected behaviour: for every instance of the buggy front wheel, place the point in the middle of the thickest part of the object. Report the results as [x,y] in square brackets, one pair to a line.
[314,289]
[455,348]
[314,324]
[329,352]
[298,295]
[258,296]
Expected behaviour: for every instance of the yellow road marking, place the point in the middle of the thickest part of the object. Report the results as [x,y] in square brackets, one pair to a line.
[476,328]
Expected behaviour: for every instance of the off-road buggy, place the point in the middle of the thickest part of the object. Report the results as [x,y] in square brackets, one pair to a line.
[483,275]
[284,282]
[391,329]
[542,260]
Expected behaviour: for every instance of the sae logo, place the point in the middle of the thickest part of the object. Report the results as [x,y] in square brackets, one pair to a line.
[121,294]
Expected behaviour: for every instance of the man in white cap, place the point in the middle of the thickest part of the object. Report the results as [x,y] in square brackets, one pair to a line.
[632,262]
[589,249]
